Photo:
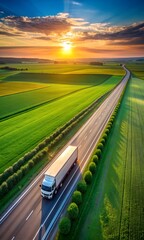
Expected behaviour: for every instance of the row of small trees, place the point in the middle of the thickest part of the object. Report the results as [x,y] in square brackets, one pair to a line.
[12,180]
[42,148]
[77,197]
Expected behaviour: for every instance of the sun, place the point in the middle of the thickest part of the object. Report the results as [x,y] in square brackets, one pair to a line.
[67,46]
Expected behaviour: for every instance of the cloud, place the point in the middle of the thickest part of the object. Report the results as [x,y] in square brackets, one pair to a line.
[133,34]
[62,27]
[76,3]
[48,24]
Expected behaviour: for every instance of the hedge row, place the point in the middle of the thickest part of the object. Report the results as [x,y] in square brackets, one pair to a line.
[73,209]
[49,141]
[12,180]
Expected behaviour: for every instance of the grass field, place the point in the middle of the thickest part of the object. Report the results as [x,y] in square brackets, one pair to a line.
[21,133]
[17,103]
[137,69]
[114,208]
[8,88]
[83,79]
[111,69]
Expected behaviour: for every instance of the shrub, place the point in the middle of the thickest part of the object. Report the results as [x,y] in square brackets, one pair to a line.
[1,193]
[30,163]
[107,131]
[4,188]
[82,186]
[64,225]
[77,197]
[105,136]
[7,173]
[15,178]
[98,153]
[24,169]
[19,174]
[73,211]
[88,177]
[103,140]
[100,146]
[15,167]
[92,167]
[95,159]
[10,182]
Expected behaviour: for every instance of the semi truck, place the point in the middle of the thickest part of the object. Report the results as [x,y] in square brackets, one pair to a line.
[56,173]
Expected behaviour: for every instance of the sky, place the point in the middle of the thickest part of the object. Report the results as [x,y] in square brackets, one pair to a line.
[64,29]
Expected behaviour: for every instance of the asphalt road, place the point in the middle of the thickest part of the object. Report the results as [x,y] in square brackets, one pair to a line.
[31,216]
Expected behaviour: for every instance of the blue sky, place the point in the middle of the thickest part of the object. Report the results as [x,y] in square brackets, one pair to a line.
[114,11]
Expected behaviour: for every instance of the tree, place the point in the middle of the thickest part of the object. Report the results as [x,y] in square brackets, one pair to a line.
[64,225]
[100,146]
[95,159]
[73,211]
[77,197]
[82,186]
[4,188]
[98,153]
[88,177]
[92,167]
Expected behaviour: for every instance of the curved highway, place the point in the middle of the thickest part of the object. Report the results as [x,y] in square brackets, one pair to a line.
[31,216]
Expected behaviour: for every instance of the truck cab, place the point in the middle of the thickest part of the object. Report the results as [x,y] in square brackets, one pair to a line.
[48,187]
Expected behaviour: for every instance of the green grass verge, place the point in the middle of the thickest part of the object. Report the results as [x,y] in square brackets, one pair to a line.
[114,209]
[22,133]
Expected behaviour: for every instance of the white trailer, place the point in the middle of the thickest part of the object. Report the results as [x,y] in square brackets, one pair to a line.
[56,173]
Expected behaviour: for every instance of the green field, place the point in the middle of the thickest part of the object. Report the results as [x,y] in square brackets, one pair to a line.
[22,132]
[8,88]
[137,69]
[111,69]
[114,208]
[83,79]
[17,103]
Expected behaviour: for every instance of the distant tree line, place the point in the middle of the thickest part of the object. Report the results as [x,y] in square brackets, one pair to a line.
[13,69]
[96,63]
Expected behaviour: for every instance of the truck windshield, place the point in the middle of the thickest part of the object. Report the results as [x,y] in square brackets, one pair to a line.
[46,188]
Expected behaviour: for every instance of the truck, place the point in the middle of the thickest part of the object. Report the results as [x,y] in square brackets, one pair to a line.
[56,173]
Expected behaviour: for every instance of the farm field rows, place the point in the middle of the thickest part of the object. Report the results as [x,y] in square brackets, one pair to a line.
[137,69]
[17,103]
[9,88]
[21,133]
[66,68]
[114,209]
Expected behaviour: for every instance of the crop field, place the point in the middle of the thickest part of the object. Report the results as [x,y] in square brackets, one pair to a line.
[7,88]
[137,69]
[24,131]
[109,69]
[83,79]
[117,195]
[17,103]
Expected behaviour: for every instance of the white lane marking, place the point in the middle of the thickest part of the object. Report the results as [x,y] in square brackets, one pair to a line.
[13,238]
[90,130]
[85,137]
[29,215]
